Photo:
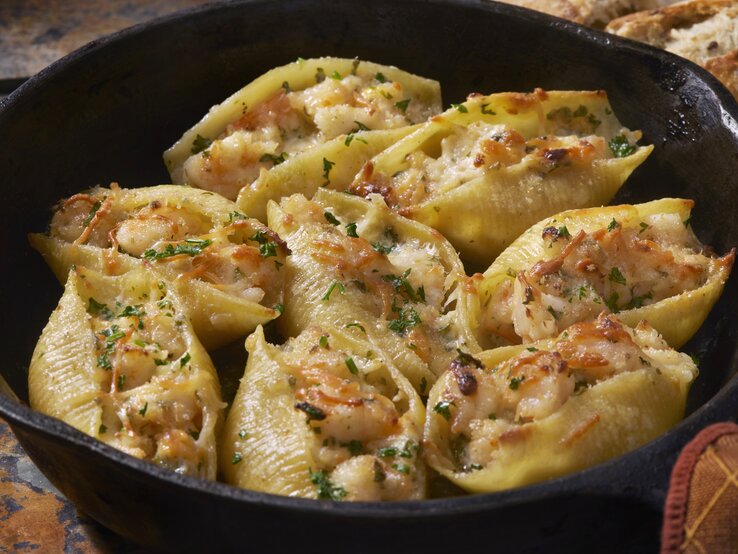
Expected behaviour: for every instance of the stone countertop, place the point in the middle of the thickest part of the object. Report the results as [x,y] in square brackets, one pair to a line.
[35,33]
[34,516]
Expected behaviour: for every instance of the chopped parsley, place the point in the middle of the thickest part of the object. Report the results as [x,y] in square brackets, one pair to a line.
[515,382]
[443,408]
[403,286]
[121,381]
[327,166]
[380,77]
[613,225]
[555,313]
[407,318]
[351,230]
[190,247]
[323,342]
[351,365]
[142,411]
[242,434]
[200,143]
[134,311]
[402,468]
[334,285]
[620,146]
[235,216]
[236,458]
[276,160]
[330,218]
[286,87]
[612,302]
[279,308]
[355,324]
[384,248]
[91,214]
[351,137]
[320,75]
[402,105]
[638,301]
[326,490]
[267,247]
[354,447]
[99,309]
[644,226]
[460,107]
[486,110]
[184,360]
[616,277]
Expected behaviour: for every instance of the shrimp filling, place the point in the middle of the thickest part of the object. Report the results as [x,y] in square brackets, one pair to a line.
[401,280]
[233,258]
[487,407]
[150,405]
[472,152]
[293,121]
[365,446]
[615,268]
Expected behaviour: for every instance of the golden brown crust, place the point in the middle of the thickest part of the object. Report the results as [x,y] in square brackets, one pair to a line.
[725,68]
[595,13]
[652,25]
[702,31]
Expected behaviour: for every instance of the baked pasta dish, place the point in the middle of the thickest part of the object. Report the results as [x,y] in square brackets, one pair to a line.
[430,300]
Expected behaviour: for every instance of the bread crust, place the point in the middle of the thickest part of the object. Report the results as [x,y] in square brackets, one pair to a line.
[703,31]
[594,13]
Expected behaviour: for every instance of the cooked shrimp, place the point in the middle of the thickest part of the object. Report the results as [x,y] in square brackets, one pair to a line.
[348,412]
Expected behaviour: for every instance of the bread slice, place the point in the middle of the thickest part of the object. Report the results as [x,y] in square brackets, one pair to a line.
[594,13]
[704,31]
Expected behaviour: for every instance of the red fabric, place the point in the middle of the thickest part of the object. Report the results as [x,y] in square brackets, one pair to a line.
[698,509]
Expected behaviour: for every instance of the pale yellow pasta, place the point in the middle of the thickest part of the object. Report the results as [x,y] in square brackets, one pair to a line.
[519,415]
[355,262]
[324,416]
[292,109]
[642,261]
[485,170]
[226,265]
[119,361]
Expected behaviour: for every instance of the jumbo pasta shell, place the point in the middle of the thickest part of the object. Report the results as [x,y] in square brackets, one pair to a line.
[138,380]
[355,262]
[227,265]
[607,419]
[676,315]
[290,109]
[275,441]
[485,170]
[332,164]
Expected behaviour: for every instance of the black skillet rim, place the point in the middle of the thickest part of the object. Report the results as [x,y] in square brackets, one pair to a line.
[589,481]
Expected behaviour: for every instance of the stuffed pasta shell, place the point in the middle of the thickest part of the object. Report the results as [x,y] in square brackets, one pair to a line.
[519,415]
[355,262]
[324,416]
[640,261]
[485,170]
[292,109]
[226,265]
[119,361]
[332,165]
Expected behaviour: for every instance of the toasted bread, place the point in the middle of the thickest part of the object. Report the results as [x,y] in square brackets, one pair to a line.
[704,31]
[594,13]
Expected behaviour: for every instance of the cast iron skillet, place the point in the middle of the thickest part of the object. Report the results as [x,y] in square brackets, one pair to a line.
[106,113]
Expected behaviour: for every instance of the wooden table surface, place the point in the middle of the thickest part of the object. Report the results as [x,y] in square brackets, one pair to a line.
[34,516]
